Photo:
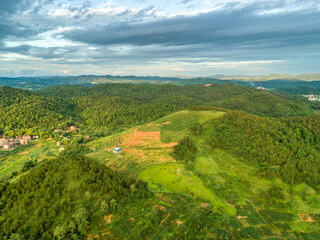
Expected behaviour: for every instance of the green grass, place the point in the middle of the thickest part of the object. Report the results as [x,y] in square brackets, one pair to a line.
[175,179]
[181,121]
[103,156]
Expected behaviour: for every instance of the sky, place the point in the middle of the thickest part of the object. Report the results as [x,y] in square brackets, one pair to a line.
[159,38]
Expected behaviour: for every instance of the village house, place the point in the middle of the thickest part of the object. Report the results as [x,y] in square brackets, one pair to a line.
[36,137]
[7,146]
[72,129]
[23,141]
[58,143]
[57,130]
[2,141]
[27,137]
[61,149]
[17,139]
[9,143]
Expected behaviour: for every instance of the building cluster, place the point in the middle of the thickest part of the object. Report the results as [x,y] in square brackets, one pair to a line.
[312,97]
[9,143]
[70,129]
[261,88]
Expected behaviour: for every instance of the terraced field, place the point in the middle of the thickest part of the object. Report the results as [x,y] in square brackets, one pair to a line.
[140,149]
[219,178]
[146,145]
[13,160]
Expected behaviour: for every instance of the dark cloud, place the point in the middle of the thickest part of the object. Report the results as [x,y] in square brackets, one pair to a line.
[234,28]
[22,49]
[10,26]
[14,29]
[53,52]
[237,32]
[12,6]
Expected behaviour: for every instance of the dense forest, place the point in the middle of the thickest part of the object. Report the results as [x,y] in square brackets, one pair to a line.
[23,112]
[56,198]
[72,196]
[286,147]
[114,105]
[260,102]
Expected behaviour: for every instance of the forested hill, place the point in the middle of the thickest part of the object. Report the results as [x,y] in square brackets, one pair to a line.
[26,112]
[297,85]
[57,199]
[231,96]
[285,147]
[114,105]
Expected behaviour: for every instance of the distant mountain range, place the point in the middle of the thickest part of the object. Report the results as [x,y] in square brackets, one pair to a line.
[300,84]
[300,77]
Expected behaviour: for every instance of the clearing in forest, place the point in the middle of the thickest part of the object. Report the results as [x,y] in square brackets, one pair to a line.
[147,145]
[138,149]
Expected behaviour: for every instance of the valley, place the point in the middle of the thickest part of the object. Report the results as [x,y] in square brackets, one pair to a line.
[195,170]
[219,181]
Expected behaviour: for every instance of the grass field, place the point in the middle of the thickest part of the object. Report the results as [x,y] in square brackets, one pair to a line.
[175,178]
[13,160]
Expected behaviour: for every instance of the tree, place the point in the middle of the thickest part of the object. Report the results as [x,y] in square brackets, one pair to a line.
[60,232]
[81,220]
[113,205]
[16,236]
[27,166]
[104,207]
[133,188]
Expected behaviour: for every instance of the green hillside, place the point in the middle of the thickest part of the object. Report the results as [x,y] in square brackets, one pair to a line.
[232,96]
[125,105]
[257,206]
[188,168]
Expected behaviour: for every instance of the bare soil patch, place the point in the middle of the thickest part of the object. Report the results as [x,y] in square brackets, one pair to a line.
[108,218]
[306,218]
[204,205]
[179,222]
[141,147]
[159,207]
[241,217]
[169,144]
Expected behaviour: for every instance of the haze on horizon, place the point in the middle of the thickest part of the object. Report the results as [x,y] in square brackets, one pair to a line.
[164,38]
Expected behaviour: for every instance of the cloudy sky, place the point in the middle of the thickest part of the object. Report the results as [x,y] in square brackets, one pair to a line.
[164,38]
